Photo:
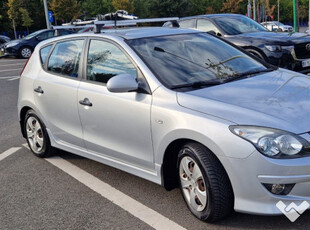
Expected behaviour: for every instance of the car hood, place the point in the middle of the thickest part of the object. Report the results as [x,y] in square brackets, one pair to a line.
[276,37]
[278,99]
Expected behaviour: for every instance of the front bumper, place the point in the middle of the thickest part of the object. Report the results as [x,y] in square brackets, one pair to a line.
[248,176]
[11,51]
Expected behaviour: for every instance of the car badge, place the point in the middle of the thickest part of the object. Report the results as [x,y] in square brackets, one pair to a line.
[308,47]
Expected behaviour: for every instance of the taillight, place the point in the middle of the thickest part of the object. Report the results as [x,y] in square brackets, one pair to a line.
[25,66]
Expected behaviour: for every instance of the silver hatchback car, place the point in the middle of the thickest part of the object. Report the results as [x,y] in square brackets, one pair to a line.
[177,107]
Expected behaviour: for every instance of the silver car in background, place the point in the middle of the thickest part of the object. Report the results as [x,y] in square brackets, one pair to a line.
[177,107]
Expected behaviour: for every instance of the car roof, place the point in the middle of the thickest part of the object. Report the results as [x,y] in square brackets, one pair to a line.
[213,16]
[128,34]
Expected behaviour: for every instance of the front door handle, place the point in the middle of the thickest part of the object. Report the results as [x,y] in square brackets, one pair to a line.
[86,102]
[38,90]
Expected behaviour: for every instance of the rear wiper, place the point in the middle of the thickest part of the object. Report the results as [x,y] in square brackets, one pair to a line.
[196,85]
[247,74]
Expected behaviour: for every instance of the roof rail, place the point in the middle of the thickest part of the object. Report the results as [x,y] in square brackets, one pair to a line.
[116,23]
[97,25]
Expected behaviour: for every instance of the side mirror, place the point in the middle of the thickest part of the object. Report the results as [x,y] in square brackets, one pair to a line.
[39,38]
[122,83]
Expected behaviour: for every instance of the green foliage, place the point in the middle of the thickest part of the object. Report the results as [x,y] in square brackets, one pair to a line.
[14,6]
[66,10]
[27,21]
[94,7]
[168,8]
[123,5]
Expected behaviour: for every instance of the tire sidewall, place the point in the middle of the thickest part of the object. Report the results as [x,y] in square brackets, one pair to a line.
[30,114]
[190,152]
[21,49]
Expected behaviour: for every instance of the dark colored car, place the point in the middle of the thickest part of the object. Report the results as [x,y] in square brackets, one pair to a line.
[287,50]
[4,39]
[24,47]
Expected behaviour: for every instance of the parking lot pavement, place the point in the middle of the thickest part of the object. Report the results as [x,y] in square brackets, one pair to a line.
[70,192]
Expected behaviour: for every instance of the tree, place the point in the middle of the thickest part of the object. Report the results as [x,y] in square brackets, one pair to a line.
[169,8]
[142,8]
[95,7]
[66,10]
[13,12]
[27,21]
[231,6]
[123,5]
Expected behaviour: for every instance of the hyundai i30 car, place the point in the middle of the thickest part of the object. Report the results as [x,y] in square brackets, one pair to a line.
[178,107]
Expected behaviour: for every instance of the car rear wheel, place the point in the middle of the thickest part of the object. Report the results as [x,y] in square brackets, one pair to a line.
[204,183]
[25,52]
[36,135]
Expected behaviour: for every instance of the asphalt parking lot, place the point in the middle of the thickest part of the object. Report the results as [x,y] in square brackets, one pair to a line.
[71,192]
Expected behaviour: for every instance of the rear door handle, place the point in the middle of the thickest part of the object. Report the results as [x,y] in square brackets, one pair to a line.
[38,90]
[86,102]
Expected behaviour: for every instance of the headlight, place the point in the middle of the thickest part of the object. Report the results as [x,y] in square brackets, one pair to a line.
[273,142]
[273,48]
[10,44]
[289,48]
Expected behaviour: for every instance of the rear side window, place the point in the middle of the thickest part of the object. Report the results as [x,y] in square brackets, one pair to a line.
[187,23]
[65,58]
[44,52]
[106,60]
[206,26]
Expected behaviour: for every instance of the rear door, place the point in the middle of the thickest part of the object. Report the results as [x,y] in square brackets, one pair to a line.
[116,125]
[55,90]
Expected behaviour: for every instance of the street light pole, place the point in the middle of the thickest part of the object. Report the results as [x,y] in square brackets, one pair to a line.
[254,11]
[46,15]
[295,15]
[279,10]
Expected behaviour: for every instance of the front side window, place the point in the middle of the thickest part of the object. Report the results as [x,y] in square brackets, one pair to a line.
[45,35]
[65,58]
[105,60]
[44,52]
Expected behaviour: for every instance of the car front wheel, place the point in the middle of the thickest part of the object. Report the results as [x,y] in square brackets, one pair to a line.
[204,183]
[25,52]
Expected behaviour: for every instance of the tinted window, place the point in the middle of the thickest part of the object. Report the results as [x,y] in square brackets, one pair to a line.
[206,26]
[44,52]
[106,60]
[65,58]
[45,35]
[187,23]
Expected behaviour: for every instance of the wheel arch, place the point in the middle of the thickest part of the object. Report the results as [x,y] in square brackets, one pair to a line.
[22,116]
[258,53]
[169,164]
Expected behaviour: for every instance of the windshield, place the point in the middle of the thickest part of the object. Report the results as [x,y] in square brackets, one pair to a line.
[191,58]
[238,25]
[29,36]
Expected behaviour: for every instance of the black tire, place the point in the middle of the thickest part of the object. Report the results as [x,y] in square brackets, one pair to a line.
[256,54]
[219,193]
[39,148]
[25,52]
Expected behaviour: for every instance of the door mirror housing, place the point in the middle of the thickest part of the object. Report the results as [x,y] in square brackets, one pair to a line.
[122,83]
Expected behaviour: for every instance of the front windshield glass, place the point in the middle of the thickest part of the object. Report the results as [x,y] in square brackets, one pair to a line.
[29,36]
[189,58]
[238,25]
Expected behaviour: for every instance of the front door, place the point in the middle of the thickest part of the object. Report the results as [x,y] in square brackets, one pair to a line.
[116,125]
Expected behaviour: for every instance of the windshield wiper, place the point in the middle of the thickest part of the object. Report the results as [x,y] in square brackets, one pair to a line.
[247,74]
[196,85]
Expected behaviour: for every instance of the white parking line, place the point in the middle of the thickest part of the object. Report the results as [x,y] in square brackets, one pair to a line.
[147,215]
[9,152]
[7,70]
[21,63]
[8,77]
[14,78]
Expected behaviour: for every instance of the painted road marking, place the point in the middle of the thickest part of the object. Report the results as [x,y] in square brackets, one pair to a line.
[139,210]
[21,63]
[9,152]
[14,78]
[144,213]
[8,70]
[8,77]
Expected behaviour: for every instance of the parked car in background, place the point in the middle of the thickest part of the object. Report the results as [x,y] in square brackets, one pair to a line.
[4,39]
[24,47]
[277,26]
[287,50]
[177,107]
